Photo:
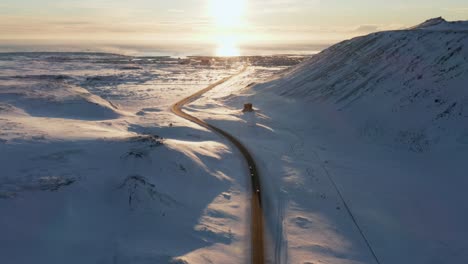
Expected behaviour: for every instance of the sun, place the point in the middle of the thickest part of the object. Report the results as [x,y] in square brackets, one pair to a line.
[227,13]
[228,19]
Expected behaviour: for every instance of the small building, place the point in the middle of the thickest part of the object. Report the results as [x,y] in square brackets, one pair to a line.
[248,108]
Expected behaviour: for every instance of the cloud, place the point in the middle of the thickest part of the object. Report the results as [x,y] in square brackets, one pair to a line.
[178,11]
[366,28]
[282,6]
[459,10]
[26,25]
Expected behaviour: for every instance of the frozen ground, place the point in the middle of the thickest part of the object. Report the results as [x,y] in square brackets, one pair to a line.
[95,169]
[362,149]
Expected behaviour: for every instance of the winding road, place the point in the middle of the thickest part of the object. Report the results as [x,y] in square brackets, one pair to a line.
[257,234]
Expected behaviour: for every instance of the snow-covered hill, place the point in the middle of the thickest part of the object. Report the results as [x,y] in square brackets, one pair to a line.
[407,86]
[439,23]
[47,96]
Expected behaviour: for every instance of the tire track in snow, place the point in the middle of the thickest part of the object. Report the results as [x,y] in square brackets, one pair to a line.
[292,151]
[257,234]
[348,210]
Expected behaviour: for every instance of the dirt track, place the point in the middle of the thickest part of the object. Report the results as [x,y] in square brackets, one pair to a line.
[257,234]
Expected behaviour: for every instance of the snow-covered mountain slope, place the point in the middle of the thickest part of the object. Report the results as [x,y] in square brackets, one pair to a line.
[439,23]
[408,86]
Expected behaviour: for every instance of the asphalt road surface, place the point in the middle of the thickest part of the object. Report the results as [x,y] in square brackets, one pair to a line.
[257,234]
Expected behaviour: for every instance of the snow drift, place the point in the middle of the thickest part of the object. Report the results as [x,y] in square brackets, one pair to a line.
[56,98]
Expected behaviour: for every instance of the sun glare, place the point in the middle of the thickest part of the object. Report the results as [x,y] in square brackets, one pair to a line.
[228,16]
[228,13]
[227,47]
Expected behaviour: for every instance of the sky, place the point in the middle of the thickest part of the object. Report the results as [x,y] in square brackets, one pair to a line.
[222,23]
